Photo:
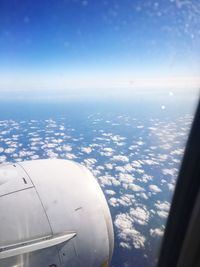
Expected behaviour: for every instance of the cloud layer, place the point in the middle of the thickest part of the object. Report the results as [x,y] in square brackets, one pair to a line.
[135,161]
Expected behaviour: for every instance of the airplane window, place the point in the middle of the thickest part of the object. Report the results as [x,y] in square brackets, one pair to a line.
[112,85]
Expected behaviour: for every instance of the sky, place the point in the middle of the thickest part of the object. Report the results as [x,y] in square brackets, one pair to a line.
[78,46]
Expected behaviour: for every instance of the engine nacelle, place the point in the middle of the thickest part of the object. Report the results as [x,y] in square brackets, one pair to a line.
[53,214]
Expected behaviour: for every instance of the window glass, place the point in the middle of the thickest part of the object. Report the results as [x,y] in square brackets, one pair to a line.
[112,85]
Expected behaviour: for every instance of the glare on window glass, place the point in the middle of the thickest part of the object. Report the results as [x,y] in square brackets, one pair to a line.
[112,85]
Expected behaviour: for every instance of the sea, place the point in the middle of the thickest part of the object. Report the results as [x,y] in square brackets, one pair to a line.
[133,147]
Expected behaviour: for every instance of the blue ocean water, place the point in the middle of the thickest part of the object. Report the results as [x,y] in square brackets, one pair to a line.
[134,149]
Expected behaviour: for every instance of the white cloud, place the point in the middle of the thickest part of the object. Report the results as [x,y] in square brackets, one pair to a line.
[154,188]
[171,187]
[163,214]
[57,141]
[67,148]
[24,153]
[165,205]
[126,178]
[110,192]
[108,180]
[106,154]
[120,169]
[157,232]
[96,173]
[134,237]
[123,221]
[145,178]
[86,150]
[49,145]
[135,188]
[162,208]
[140,143]
[143,195]
[124,169]
[115,182]
[2,159]
[172,172]
[109,166]
[90,162]
[150,162]
[178,152]
[133,147]
[51,154]
[127,233]
[120,158]
[162,157]
[136,163]
[125,200]
[107,151]
[34,157]
[125,245]
[125,186]
[117,138]
[113,202]
[165,146]
[62,128]
[128,167]
[70,156]
[9,150]
[139,215]
[140,171]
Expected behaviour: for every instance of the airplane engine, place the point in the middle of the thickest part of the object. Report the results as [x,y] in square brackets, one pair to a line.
[53,214]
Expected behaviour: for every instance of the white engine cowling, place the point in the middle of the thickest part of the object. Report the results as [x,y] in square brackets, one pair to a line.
[53,214]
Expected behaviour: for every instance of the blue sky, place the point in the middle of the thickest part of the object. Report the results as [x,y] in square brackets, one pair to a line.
[88,44]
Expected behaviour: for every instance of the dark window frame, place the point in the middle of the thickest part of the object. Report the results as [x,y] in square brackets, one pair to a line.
[183,203]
